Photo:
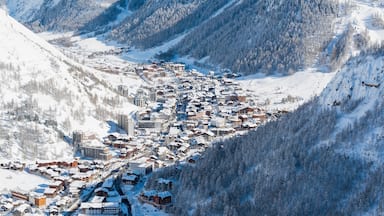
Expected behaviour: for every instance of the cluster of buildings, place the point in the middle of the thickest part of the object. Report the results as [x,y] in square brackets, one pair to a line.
[68,182]
[180,114]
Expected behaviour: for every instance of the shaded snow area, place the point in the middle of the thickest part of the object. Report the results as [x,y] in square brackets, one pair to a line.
[360,81]
[137,207]
[23,10]
[45,95]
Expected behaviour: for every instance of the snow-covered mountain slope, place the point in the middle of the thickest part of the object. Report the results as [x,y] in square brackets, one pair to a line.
[24,10]
[64,15]
[45,96]
[235,35]
[356,92]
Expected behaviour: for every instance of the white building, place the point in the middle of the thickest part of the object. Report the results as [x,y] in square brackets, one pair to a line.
[140,98]
[127,123]
[106,208]
[123,90]
[141,166]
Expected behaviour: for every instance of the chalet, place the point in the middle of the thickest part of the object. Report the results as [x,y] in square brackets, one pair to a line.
[196,115]
[112,137]
[236,98]
[53,210]
[62,164]
[235,121]
[50,192]
[184,148]
[198,141]
[130,179]
[218,122]
[22,209]
[64,179]
[164,184]
[40,201]
[120,144]
[173,146]
[249,125]
[19,194]
[163,198]
[64,203]
[101,192]
[207,135]
[16,165]
[123,153]
[57,185]
[130,152]
[148,195]
[243,110]
[87,177]
[83,168]
[75,188]
[260,116]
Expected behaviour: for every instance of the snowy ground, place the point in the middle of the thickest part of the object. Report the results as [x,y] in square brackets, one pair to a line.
[11,180]
[271,90]
[139,208]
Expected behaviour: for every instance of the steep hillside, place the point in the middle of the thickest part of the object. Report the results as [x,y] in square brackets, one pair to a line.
[157,22]
[263,36]
[25,10]
[63,15]
[327,158]
[45,96]
[246,36]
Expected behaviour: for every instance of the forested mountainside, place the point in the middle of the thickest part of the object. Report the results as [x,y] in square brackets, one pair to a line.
[247,36]
[44,96]
[326,158]
[64,15]
[263,36]
[157,22]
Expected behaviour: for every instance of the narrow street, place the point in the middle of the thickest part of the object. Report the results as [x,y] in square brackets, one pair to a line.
[124,198]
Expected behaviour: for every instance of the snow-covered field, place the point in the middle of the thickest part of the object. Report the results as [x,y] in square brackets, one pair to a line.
[14,180]
[273,90]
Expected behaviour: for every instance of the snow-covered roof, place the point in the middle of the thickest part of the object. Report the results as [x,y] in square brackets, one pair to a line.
[88,205]
[129,177]
[164,194]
